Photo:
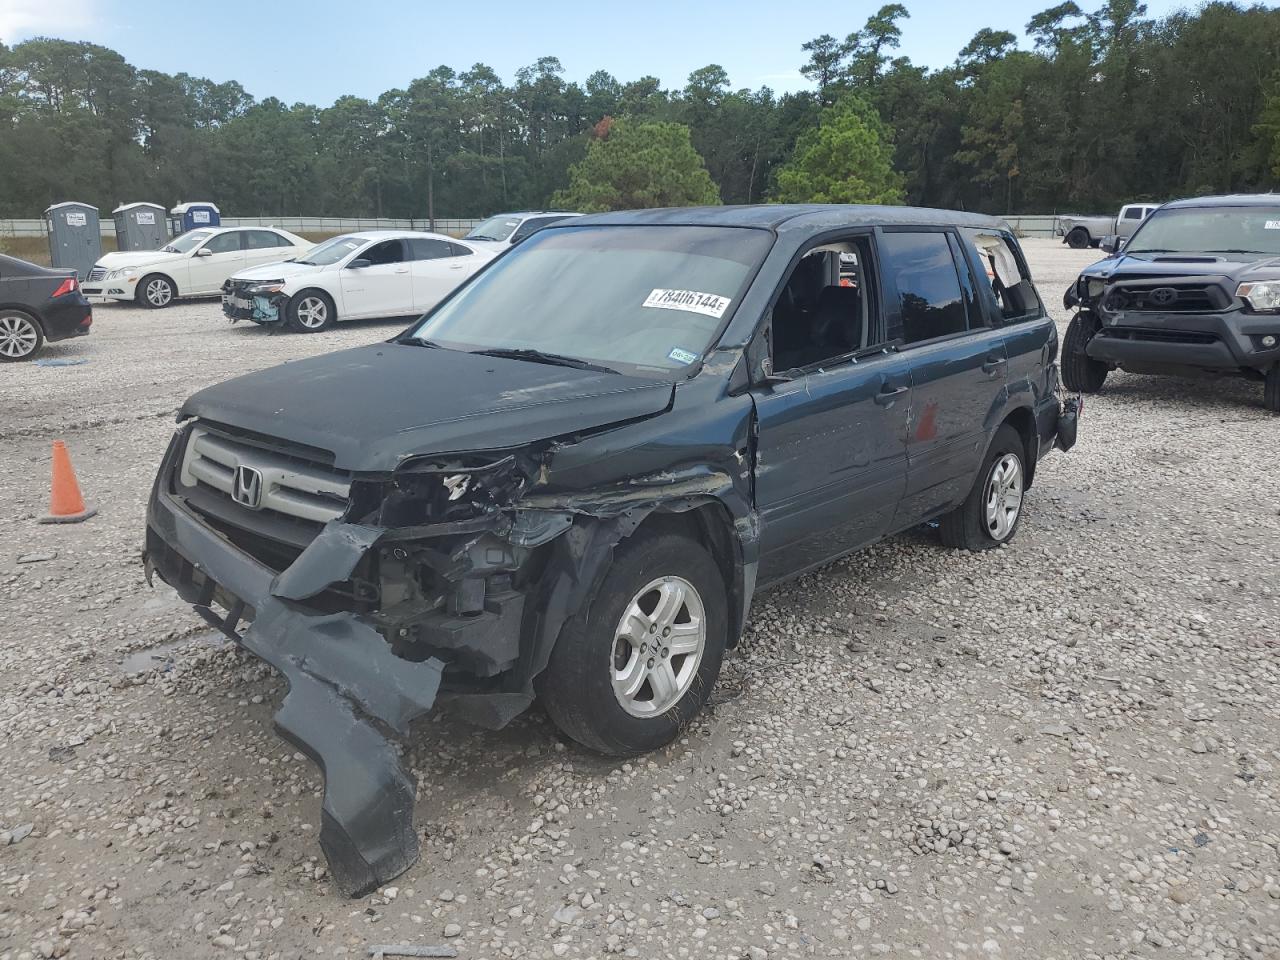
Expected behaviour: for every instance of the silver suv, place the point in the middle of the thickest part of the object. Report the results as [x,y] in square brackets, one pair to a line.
[505,230]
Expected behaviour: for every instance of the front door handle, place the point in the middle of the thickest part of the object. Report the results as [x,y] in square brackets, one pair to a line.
[402,270]
[887,395]
[994,364]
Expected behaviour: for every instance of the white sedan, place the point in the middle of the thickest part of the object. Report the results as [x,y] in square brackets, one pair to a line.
[376,273]
[195,264]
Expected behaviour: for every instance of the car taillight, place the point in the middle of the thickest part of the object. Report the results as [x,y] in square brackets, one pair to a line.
[68,285]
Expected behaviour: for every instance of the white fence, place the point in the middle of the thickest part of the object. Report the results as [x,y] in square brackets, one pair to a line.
[1032,225]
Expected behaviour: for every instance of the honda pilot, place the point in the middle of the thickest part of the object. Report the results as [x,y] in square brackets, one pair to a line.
[569,479]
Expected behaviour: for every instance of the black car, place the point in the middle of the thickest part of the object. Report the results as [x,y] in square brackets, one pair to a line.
[37,305]
[571,477]
[1194,292]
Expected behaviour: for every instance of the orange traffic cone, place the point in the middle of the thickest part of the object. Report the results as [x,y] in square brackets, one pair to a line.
[65,503]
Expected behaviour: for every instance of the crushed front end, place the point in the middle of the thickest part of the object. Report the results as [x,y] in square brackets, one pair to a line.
[257,300]
[377,594]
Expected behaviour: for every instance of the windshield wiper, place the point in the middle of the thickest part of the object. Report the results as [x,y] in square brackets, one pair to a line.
[1238,250]
[419,342]
[479,236]
[539,356]
[309,263]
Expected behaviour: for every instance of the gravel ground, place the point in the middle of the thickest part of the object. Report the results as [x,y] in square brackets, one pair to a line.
[1067,748]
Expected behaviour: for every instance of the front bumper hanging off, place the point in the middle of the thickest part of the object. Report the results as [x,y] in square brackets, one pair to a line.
[345,684]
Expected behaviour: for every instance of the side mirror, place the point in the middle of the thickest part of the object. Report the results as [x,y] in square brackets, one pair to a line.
[1110,244]
[204,252]
[358,264]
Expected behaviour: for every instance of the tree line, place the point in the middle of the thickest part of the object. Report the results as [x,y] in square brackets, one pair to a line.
[1107,106]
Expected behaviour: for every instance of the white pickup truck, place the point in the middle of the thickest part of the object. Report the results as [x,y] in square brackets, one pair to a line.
[1081,232]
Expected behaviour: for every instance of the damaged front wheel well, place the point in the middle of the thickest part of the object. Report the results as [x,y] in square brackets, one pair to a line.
[709,524]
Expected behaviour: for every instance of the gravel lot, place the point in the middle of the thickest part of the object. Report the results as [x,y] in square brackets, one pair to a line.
[1068,748]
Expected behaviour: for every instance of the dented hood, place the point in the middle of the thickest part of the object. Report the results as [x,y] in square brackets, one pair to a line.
[374,406]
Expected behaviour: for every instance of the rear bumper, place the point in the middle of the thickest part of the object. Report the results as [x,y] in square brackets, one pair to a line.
[1224,342]
[66,317]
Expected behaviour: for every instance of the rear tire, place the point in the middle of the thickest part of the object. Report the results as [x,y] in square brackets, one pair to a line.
[990,513]
[1080,372]
[1271,389]
[615,682]
[21,336]
[1078,239]
[155,291]
[311,311]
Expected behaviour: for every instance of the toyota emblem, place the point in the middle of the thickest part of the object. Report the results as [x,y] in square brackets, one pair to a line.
[1163,296]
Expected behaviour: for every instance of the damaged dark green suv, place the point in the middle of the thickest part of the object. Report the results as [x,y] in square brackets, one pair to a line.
[570,478]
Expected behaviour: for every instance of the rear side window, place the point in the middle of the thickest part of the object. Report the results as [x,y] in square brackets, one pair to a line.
[1006,275]
[224,242]
[263,240]
[1133,213]
[425,248]
[929,300]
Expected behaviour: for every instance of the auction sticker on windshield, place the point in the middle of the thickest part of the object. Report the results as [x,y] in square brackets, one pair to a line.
[709,304]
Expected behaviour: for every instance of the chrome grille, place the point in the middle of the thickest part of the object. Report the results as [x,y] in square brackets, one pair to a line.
[289,486]
[96,274]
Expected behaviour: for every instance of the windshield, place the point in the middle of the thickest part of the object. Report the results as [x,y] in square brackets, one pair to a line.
[495,228]
[1248,230]
[332,250]
[187,242]
[643,297]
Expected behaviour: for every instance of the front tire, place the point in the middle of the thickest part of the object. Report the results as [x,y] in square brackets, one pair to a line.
[633,668]
[155,291]
[1271,389]
[1080,372]
[1078,238]
[21,336]
[311,311]
[990,513]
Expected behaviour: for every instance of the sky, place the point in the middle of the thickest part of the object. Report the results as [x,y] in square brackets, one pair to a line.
[318,50]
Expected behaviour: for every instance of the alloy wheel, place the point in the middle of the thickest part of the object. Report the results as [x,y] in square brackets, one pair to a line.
[1004,496]
[312,313]
[658,646]
[18,336]
[159,293]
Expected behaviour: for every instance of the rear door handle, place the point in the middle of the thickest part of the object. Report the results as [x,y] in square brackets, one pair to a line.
[887,395]
[993,364]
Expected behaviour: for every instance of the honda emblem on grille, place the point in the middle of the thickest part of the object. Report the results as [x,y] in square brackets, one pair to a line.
[1163,296]
[246,487]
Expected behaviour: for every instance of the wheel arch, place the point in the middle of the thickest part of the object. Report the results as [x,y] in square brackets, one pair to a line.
[709,522]
[1023,420]
[177,291]
[27,311]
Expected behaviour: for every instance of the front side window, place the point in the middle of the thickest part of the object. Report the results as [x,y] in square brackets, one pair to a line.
[1248,231]
[825,309]
[640,298]
[920,267]
[388,251]
[531,226]
[187,242]
[224,243]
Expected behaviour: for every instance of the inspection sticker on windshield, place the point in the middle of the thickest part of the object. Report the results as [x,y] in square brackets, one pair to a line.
[710,304]
[680,355]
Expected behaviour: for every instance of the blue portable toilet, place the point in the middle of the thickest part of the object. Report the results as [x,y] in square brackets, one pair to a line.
[190,216]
